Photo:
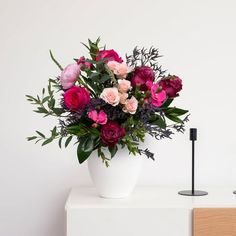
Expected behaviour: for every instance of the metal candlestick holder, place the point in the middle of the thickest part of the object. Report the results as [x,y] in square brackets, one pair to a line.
[234,192]
[193,192]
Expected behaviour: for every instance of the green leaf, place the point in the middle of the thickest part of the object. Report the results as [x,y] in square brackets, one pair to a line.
[41,110]
[60,140]
[31,138]
[40,134]
[68,141]
[85,45]
[158,120]
[51,103]
[78,129]
[45,99]
[167,102]
[113,150]
[86,146]
[55,61]
[47,141]
[58,111]
[54,131]
[173,118]
[104,78]
[176,111]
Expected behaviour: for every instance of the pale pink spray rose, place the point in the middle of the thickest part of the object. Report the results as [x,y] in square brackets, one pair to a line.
[119,69]
[124,85]
[69,75]
[111,96]
[158,97]
[123,97]
[98,117]
[131,105]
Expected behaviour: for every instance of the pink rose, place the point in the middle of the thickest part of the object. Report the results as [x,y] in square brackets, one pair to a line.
[131,105]
[76,98]
[140,77]
[119,69]
[83,63]
[158,97]
[172,85]
[123,97]
[109,55]
[69,75]
[124,85]
[99,118]
[111,96]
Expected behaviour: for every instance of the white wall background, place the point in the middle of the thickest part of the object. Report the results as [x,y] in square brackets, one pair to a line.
[198,39]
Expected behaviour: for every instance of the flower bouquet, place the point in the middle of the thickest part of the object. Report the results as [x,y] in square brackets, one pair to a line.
[103,102]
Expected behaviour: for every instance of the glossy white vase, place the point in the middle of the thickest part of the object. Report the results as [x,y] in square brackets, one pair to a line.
[119,179]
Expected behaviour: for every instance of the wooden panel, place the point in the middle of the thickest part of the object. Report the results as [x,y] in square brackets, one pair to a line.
[214,222]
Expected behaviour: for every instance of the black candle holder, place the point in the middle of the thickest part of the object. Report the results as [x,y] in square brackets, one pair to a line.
[234,192]
[193,192]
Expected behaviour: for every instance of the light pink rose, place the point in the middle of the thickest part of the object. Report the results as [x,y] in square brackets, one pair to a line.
[69,75]
[131,105]
[123,97]
[99,118]
[119,69]
[111,96]
[124,85]
[158,97]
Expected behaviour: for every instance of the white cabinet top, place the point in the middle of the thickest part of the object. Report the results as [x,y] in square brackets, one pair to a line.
[151,197]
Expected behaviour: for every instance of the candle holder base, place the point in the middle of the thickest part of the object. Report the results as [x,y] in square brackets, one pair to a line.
[192,193]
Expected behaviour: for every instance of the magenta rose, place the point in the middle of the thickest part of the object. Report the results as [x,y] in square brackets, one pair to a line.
[171,85]
[109,55]
[76,98]
[111,133]
[141,76]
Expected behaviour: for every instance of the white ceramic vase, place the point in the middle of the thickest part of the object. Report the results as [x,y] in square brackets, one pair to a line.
[119,179]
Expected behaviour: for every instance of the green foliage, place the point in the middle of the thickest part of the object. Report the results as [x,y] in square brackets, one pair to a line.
[158,120]
[113,150]
[131,145]
[46,104]
[173,113]
[41,137]
[86,146]
[101,154]
[55,61]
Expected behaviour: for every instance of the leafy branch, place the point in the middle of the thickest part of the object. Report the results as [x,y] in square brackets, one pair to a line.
[41,137]
[46,104]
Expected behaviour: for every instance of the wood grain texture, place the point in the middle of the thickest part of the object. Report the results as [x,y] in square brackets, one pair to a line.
[214,222]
